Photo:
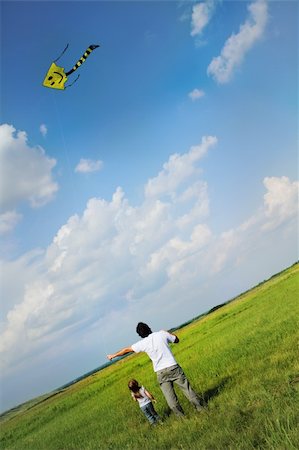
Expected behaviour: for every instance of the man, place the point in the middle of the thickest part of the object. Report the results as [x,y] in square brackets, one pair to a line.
[156,345]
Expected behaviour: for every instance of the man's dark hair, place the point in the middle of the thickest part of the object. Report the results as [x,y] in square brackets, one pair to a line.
[143,330]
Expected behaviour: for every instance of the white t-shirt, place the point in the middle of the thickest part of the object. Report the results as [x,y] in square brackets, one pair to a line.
[156,346]
[144,400]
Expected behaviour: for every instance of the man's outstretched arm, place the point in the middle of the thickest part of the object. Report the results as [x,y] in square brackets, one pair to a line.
[122,352]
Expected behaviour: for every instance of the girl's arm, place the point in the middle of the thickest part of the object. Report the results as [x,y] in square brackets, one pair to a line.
[149,395]
[133,397]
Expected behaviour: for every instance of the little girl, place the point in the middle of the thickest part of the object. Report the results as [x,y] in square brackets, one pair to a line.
[144,398]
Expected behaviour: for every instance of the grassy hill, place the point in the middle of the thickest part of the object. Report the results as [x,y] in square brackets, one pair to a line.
[243,360]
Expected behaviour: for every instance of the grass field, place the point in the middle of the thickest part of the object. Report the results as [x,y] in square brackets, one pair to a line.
[241,358]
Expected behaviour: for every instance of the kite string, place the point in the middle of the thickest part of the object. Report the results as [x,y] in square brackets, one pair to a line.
[65,148]
[61,53]
[69,85]
[103,336]
[104,346]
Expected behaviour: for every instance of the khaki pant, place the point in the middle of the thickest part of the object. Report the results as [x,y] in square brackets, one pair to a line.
[174,374]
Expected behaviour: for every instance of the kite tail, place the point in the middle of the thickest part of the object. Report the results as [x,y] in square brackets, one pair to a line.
[82,59]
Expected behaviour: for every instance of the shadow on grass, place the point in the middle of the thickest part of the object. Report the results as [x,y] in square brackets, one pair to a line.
[208,395]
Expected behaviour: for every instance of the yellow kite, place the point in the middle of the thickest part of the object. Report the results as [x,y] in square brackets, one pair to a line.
[56,76]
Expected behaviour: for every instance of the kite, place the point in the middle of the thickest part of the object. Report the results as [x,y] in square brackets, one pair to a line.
[56,76]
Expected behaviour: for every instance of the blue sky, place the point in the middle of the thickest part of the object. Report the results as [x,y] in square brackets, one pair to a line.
[163,182]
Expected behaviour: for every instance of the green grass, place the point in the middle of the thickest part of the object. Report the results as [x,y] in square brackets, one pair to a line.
[241,358]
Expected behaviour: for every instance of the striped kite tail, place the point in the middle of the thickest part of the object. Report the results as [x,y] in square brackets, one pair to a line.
[83,58]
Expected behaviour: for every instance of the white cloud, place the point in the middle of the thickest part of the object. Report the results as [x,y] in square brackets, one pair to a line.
[88,166]
[26,172]
[222,67]
[196,94]
[280,207]
[178,169]
[43,129]
[197,194]
[281,201]
[8,221]
[201,15]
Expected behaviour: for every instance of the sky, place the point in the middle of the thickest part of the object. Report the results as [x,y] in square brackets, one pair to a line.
[163,182]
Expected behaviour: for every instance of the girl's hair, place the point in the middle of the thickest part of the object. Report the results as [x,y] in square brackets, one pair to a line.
[133,385]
